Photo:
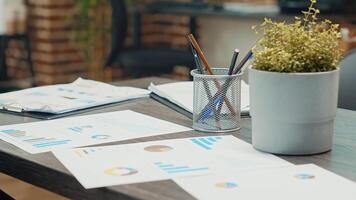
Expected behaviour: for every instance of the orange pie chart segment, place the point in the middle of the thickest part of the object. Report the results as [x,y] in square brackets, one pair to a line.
[158,148]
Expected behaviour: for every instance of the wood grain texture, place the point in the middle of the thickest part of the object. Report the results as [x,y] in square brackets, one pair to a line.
[45,171]
[20,190]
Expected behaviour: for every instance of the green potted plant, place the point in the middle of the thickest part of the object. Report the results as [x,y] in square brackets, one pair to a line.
[294,81]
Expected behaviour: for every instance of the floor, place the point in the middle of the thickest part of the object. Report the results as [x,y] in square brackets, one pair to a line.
[20,190]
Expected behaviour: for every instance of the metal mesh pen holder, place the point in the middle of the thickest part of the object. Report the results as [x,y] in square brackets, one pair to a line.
[216,106]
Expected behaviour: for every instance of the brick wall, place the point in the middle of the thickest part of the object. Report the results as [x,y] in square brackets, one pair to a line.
[56,57]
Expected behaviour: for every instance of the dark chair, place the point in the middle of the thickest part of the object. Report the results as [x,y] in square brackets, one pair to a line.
[142,61]
[4,42]
[347,88]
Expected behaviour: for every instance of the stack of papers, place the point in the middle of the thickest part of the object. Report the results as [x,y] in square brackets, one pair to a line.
[38,137]
[209,168]
[62,98]
[181,94]
[164,159]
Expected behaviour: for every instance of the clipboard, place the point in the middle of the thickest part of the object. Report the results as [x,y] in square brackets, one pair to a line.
[49,116]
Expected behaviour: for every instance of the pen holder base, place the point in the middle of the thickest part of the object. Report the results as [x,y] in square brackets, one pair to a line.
[213,129]
[216,98]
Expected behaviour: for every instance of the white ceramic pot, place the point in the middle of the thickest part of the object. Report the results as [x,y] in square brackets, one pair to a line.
[293,113]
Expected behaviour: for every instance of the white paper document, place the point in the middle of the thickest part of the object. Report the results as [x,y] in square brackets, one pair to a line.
[292,183]
[151,161]
[181,94]
[62,98]
[38,137]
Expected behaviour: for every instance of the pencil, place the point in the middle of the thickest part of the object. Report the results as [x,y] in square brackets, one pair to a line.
[200,53]
[208,68]
[205,84]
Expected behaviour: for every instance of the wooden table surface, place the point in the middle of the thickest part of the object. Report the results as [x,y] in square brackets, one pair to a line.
[44,170]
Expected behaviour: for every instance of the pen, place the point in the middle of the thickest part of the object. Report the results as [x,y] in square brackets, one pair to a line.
[217,98]
[197,60]
[243,62]
[205,84]
[233,61]
[231,68]
[196,46]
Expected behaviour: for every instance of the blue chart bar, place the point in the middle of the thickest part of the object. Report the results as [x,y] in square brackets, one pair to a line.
[211,139]
[205,142]
[53,143]
[170,168]
[175,168]
[37,140]
[189,170]
[9,131]
[14,133]
[197,142]
[168,165]
[75,129]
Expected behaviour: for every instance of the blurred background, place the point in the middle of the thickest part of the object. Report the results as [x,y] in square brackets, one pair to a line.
[55,41]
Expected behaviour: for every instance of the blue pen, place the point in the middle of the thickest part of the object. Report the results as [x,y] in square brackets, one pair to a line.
[210,109]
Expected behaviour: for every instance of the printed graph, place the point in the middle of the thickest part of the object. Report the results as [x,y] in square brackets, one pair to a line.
[120,171]
[304,176]
[75,92]
[158,148]
[65,90]
[206,142]
[86,152]
[226,185]
[38,142]
[100,137]
[172,169]
[80,129]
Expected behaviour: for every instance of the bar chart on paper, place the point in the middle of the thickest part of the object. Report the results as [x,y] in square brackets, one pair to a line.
[35,141]
[206,143]
[172,169]
[38,137]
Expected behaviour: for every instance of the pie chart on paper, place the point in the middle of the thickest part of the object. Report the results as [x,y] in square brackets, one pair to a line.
[158,148]
[226,185]
[120,171]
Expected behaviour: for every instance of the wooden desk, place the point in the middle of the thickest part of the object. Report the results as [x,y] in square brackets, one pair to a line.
[45,171]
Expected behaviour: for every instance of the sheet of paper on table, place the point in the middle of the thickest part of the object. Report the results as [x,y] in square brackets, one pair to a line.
[151,161]
[181,94]
[62,98]
[38,137]
[292,183]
